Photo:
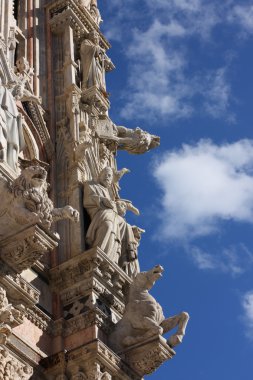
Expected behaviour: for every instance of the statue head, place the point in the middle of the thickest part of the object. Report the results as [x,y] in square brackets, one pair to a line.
[94,37]
[105,177]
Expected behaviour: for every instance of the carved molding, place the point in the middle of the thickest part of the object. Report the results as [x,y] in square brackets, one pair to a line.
[91,271]
[23,249]
[18,285]
[146,357]
[64,12]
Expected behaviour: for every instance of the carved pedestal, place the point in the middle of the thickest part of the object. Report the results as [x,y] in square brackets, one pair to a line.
[92,291]
[145,357]
[24,248]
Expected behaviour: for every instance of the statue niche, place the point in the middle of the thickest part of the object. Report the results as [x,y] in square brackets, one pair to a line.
[143,316]
[108,229]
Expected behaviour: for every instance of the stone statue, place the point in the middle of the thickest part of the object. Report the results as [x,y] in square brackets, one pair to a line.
[92,6]
[27,201]
[143,316]
[11,132]
[136,141]
[93,63]
[21,93]
[108,230]
[129,259]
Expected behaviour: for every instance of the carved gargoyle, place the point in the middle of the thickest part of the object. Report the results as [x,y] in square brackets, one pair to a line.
[26,200]
[143,316]
[136,141]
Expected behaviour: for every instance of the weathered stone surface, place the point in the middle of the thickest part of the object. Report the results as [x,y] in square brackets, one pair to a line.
[24,248]
[145,357]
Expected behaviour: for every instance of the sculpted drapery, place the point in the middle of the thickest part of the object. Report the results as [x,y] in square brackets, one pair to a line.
[11,132]
[108,230]
[93,60]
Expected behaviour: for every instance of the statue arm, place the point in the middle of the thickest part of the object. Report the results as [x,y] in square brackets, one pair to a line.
[103,202]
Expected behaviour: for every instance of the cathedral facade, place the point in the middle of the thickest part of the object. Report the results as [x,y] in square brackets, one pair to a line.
[74,303]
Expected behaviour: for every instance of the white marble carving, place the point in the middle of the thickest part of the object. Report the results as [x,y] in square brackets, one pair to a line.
[11,133]
[136,141]
[92,7]
[93,63]
[108,229]
[26,201]
[143,316]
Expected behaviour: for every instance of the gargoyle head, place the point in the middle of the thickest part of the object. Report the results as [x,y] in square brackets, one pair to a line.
[33,176]
[146,280]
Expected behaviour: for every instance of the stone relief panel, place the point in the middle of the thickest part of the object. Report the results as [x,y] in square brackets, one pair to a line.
[11,368]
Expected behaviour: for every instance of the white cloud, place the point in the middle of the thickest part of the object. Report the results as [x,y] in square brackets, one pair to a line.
[158,83]
[204,184]
[234,260]
[217,94]
[247,304]
[242,15]
[162,82]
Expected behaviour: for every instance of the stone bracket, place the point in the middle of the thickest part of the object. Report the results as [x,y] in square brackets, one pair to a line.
[145,357]
[23,249]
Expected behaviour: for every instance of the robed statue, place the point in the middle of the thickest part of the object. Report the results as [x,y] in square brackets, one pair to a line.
[108,229]
[93,62]
[11,130]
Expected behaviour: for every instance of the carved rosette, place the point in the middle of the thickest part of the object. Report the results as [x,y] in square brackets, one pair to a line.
[145,357]
[26,247]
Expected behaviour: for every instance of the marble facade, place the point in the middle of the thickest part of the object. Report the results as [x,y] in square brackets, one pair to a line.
[69,257]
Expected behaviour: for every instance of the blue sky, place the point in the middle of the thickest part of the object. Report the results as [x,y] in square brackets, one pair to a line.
[184,71]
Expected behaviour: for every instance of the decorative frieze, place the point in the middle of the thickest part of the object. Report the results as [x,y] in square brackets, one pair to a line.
[91,270]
